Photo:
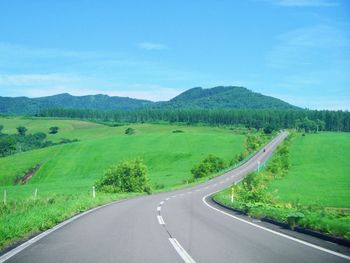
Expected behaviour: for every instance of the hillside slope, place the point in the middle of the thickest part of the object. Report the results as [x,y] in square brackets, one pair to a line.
[24,105]
[222,97]
[227,97]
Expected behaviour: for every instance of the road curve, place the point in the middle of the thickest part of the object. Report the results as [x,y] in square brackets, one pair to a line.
[179,226]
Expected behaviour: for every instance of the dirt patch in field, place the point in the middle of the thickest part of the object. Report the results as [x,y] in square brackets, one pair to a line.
[28,175]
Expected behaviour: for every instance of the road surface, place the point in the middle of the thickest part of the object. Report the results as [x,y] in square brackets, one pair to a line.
[180,226]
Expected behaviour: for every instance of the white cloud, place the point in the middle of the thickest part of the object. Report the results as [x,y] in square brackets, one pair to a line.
[32,79]
[151,46]
[306,3]
[319,36]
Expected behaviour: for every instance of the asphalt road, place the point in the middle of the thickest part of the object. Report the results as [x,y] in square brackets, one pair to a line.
[180,226]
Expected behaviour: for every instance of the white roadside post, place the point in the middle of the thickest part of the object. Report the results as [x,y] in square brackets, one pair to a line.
[234,184]
[4,196]
[35,193]
[93,192]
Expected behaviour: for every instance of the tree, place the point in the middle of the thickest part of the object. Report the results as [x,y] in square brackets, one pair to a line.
[7,145]
[21,130]
[269,128]
[129,131]
[39,136]
[320,125]
[1,128]
[53,130]
[128,176]
[211,164]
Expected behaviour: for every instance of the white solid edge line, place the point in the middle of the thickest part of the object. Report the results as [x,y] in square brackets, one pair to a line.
[31,241]
[181,251]
[275,232]
[160,220]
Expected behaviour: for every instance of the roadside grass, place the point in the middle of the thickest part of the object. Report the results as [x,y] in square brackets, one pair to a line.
[69,171]
[317,185]
[26,217]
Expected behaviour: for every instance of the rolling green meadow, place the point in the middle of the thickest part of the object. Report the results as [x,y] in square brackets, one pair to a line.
[317,184]
[68,171]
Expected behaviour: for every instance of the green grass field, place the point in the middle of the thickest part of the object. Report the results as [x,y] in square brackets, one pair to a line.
[69,171]
[319,172]
[317,184]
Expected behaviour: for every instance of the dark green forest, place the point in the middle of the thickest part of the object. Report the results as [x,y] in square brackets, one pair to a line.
[268,119]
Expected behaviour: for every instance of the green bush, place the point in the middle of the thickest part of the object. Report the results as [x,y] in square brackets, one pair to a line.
[21,130]
[54,130]
[252,189]
[294,218]
[128,176]
[129,131]
[211,164]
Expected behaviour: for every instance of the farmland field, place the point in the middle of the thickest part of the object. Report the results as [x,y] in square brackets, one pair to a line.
[69,171]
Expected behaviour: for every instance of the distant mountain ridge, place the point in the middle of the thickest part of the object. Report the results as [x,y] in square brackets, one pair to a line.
[25,105]
[221,97]
[226,97]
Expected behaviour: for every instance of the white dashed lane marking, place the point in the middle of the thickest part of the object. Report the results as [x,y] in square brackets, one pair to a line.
[160,220]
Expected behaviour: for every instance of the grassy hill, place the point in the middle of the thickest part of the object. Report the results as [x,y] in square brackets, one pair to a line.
[218,97]
[319,172]
[69,171]
[225,97]
[317,184]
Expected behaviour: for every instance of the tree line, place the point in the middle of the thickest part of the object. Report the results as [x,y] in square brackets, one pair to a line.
[22,141]
[308,120]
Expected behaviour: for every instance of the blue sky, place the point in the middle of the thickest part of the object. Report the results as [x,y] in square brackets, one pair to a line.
[296,50]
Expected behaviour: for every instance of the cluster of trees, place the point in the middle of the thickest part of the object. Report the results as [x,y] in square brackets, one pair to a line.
[21,142]
[250,118]
[308,125]
[127,176]
[210,165]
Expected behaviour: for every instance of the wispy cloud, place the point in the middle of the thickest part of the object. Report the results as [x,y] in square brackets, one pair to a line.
[306,3]
[151,46]
[299,47]
[32,79]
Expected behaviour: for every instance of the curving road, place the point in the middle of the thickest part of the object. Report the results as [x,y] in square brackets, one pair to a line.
[180,226]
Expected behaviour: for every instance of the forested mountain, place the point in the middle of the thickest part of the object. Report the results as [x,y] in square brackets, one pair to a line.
[225,97]
[24,105]
[229,97]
